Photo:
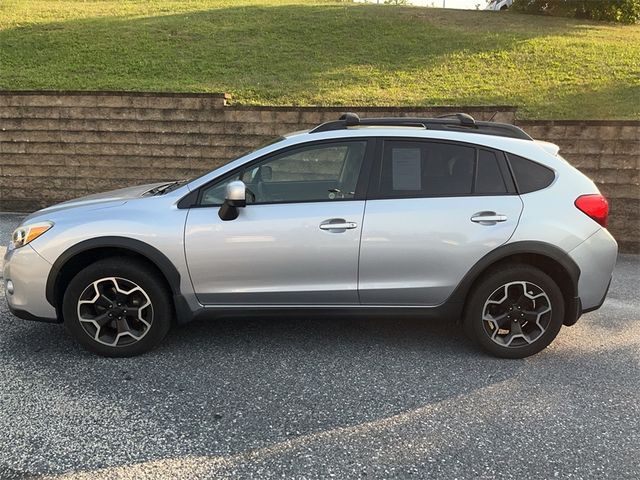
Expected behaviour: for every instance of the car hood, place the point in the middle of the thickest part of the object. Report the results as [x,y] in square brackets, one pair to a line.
[99,200]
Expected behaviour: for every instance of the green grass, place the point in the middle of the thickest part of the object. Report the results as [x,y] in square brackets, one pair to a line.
[280,52]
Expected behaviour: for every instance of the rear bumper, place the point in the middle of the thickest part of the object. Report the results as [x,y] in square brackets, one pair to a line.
[604,297]
[575,309]
[596,258]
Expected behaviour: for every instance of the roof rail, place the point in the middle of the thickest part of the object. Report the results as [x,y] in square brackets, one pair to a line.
[459,122]
[465,118]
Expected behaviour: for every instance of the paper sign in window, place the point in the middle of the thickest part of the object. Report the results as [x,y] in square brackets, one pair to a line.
[406,169]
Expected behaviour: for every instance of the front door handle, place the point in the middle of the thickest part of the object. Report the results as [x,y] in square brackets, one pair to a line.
[488,218]
[337,224]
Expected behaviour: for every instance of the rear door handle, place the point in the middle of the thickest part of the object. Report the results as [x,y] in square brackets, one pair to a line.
[488,218]
[337,224]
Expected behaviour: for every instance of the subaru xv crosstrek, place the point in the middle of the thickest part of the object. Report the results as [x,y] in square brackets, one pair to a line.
[471,221]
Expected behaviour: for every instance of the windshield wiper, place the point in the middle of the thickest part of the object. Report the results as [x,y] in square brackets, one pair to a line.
[167,187]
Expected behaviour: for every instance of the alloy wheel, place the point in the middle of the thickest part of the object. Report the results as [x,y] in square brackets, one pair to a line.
[516,314]
[115,311]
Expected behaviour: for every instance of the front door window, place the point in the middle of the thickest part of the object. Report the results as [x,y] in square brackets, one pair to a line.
[318,172]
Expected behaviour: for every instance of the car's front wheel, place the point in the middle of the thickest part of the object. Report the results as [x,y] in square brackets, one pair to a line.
[117,307]
[515,311]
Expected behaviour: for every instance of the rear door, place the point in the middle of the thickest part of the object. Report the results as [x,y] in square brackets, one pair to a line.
[434,209]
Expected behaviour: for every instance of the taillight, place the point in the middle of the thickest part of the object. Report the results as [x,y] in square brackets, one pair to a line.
[595,206]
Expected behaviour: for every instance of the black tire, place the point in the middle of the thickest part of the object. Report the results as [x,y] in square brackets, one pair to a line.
[129,270]
[490,283]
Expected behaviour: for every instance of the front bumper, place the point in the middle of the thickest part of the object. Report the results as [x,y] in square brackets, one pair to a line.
[28,271]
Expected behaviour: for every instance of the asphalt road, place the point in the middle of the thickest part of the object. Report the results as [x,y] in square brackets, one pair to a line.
[322,398]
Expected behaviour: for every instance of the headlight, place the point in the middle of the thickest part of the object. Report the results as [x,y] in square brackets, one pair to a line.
[28,233]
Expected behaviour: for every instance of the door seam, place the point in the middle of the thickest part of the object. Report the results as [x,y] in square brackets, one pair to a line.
[364,211]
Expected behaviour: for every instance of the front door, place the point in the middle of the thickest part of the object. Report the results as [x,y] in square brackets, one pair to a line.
[297,240]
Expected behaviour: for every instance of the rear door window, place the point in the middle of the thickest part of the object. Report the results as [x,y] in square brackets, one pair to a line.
[416,168]
[426,169]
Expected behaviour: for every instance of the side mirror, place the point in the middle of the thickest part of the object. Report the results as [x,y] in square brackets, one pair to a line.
[235,198]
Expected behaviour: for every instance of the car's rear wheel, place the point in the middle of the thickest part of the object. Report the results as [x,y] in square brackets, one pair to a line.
[514,312]
[117,307]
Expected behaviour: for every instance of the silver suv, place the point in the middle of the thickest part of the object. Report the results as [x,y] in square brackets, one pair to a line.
[448,217]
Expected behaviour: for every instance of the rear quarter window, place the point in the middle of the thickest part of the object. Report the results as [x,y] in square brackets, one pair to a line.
[528,175]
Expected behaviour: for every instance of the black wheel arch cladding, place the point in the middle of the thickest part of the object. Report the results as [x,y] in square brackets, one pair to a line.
[137,247]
